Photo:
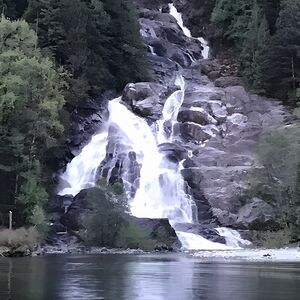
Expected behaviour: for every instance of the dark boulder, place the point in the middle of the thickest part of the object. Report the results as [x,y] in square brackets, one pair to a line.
[57,227]
[157,234]
[214,75]
[73,219]
[225,217]
[149,107]
[162,235]
[208,66]
[141,91]
[258,215]
[145,99]
[59,204]
[136,92]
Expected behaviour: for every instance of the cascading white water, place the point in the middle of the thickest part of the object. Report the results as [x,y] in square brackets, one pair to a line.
[192,241]
[206,49]
[232,237]
[170,112]
[81,172]
[152,50]
[161,192]
[177,15]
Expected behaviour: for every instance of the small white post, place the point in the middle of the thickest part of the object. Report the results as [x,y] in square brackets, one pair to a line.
[10,226]
[10,220]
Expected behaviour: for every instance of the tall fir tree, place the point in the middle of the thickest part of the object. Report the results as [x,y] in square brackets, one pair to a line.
[282,67]
[231,19]
[72,31]
[254,49]
[127,58]
[271,9]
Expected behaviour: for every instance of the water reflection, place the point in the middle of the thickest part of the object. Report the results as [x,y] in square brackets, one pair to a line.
[145,277]
[165,278]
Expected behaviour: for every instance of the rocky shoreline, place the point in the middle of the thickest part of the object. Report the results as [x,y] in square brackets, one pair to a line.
[283,255]
[51,250]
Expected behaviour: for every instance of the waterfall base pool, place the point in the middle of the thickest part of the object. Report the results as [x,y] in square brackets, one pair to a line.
[145,277]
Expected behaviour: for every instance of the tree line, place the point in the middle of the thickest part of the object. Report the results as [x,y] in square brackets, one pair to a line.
[54,55]
[267,35]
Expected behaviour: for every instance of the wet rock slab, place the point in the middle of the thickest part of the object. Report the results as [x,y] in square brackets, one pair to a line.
[206,231]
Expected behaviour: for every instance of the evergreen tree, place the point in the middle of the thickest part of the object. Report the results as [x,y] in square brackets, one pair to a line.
[271,10]
[127,58]
[231,19]
[263,45]
[63,27]
[254,49]
[282,67]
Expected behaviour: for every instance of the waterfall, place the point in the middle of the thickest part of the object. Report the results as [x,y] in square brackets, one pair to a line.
[82,171]
[162,188]
[197,242]
[161,192]
[177,15]
[158,189]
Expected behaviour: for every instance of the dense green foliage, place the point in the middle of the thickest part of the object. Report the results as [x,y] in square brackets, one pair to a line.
[127,57]
[31,97]
[98,42]
[277,180]
[267,34]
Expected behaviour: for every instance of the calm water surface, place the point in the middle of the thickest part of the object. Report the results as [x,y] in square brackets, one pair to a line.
[145,277]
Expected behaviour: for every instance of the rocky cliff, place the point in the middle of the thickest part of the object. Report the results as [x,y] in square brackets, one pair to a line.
[218,125]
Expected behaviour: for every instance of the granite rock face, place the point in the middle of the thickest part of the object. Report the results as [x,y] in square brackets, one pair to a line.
[218,126]
[219,123]
[258,215]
